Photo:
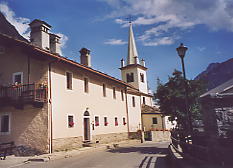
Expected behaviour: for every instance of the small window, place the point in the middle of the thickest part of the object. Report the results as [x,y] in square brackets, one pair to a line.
[105,121]
[124,121]
[86,87]
[142,77]
[69,80]
[97,123]
[70,121]
[143,100]
[154,120]
[114,92]
[122,95]
[5,123]
[130,77]
[133,101]
[104,90]
[18,78]
[116,121]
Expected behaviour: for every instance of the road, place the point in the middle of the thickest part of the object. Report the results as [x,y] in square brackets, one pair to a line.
[146,155]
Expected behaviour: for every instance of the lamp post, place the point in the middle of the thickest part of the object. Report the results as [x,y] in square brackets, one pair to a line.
[181,50]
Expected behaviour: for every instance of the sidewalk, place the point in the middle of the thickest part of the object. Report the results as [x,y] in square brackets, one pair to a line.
[14,161]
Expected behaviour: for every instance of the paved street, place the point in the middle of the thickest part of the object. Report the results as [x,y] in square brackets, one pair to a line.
[147,155]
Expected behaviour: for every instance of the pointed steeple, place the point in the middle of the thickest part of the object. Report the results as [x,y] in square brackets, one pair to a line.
[132,50]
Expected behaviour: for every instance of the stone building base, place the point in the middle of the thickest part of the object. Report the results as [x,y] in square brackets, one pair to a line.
[158,136]
[62,144]
[107,138]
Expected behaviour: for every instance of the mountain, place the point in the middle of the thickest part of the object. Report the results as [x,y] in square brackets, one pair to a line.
[9,29]
[217,73]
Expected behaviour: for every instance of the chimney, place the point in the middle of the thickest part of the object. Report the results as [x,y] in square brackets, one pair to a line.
[122,63]
[85,57]
[136,60]
[39,34]
[55,45]
[143,62]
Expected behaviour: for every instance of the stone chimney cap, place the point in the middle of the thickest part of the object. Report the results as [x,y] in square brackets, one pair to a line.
[84,51]
[54,35]
[37,21]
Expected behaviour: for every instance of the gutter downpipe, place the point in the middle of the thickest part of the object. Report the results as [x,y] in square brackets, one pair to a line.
[50,108]
[142,129]
[127,111]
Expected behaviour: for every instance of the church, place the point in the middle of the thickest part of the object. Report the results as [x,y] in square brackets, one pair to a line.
[50,103]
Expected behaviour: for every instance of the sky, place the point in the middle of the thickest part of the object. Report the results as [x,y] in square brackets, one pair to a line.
[205,27]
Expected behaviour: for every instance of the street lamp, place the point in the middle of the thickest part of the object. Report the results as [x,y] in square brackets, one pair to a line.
[181,50]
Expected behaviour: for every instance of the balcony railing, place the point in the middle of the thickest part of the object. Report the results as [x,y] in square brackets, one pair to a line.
[27,93]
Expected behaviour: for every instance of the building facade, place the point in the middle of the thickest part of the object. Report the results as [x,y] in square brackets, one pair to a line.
[49,103]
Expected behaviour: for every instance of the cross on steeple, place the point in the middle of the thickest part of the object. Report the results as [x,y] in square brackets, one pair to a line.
[130,18]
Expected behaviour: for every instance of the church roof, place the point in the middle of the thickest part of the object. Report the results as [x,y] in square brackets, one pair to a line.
[150,110]
[137,92]
[132,49]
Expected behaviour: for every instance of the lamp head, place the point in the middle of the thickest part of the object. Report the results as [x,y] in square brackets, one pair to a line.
[181,50]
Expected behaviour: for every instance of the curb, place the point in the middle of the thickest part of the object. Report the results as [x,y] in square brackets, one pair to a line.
[38,160]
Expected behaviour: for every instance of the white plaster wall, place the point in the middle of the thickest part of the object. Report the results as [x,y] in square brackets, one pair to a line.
[148,100]
[134,113]
[76,101]
[137,82]
[135,72]
[142,85]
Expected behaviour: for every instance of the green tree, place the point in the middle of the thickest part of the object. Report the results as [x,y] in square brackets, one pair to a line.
[171,98]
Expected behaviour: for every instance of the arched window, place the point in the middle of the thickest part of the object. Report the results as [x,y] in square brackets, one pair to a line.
[133,101]
[86,113]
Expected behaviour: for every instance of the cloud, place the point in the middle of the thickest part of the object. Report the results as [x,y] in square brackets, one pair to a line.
[20,23]
[201,48]
[63,40]
[115,42]
[161,41]
[166,17]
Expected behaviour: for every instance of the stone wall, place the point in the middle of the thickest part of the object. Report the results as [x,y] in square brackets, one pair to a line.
[62,144]
[135,135]
[107,138]
[28,128]
[158,136]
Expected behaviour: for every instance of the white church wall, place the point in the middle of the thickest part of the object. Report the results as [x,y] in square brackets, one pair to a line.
[74,102]
[135,72]
[142,85]
[148,100]
[134,113]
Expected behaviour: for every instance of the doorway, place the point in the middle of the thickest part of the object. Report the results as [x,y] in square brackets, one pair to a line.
[86,129]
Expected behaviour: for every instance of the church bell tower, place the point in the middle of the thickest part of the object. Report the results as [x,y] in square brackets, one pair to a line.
[134,72]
